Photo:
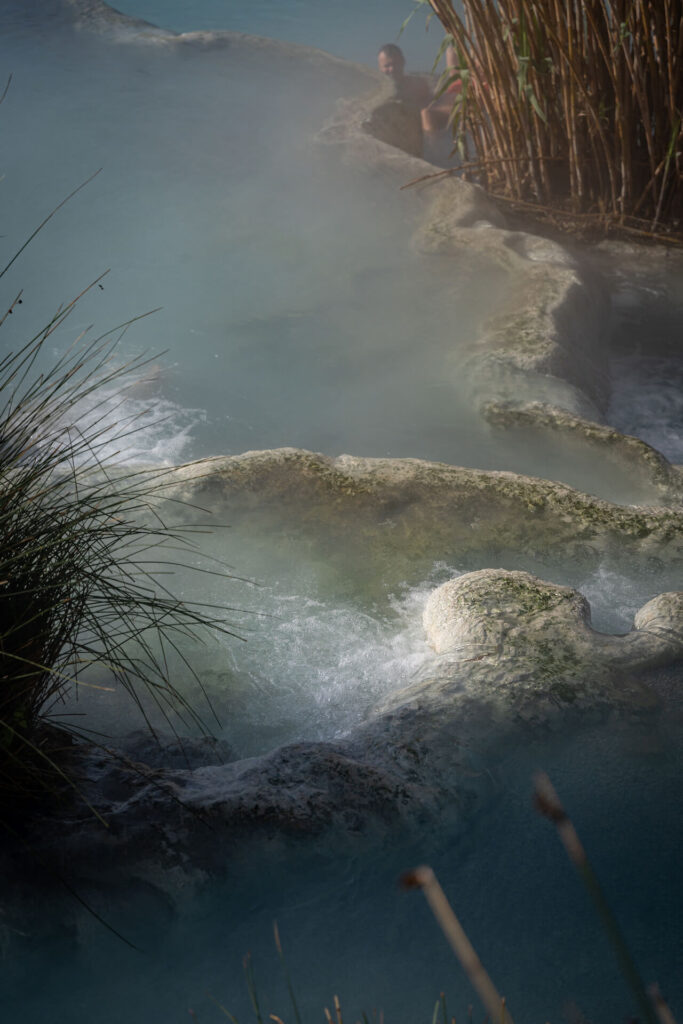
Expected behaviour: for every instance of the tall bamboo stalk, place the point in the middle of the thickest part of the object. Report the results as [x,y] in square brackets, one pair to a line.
[575,103]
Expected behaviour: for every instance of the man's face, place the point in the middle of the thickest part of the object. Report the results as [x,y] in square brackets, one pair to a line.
[388,65]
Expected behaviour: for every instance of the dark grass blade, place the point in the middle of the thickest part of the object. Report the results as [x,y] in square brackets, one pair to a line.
[548,804]
[285,971]
[251,987]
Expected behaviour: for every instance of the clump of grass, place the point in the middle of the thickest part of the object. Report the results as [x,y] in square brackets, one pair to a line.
[576,106]
[83,549]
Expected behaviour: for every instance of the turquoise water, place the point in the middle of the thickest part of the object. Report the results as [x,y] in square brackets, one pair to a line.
[291,304]
[290,308]
[288,297]
[348,930]
[354,29]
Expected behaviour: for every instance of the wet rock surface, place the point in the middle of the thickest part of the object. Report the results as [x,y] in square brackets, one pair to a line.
[530,639]
[630,454]
[425,509]
[516,654]
[543,354]
[199,819]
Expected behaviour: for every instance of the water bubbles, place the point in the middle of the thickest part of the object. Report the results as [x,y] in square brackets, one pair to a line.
[135,430]
[314,669]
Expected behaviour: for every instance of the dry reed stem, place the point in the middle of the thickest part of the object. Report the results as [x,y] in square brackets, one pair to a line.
[424,878]
[662,1010]
[596,85]
[548,804]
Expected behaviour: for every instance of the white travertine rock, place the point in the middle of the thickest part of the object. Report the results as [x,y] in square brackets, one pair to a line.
[514,636]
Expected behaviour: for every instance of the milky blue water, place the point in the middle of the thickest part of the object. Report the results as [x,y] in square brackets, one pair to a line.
[290,299]
[353,29]
[290,308]
[291,303]
[348,930]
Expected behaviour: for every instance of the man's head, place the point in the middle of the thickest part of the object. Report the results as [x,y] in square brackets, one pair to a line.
[390,61]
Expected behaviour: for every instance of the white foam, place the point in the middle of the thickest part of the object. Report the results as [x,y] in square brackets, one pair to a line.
[136,431]
[312,669]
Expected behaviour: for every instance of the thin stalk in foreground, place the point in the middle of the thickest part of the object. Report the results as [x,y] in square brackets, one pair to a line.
[424,878]
[548,804]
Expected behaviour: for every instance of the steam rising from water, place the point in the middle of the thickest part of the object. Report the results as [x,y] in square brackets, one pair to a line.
[352,29]
[293,309]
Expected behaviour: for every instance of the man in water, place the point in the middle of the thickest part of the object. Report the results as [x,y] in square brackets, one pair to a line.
[410,89]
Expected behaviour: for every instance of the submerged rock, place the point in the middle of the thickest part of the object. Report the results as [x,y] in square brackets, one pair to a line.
[628,454]
[515,654]
[199,819]
[101,17]
[409,509]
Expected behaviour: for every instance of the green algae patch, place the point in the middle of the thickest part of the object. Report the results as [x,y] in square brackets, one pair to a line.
[420,512]
[509,638]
